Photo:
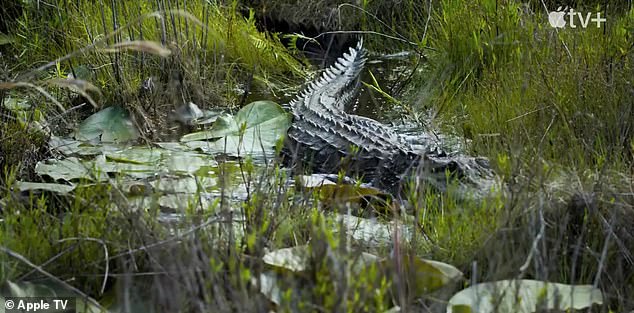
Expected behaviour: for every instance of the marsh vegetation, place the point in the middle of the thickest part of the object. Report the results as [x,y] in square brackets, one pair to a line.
[139,167]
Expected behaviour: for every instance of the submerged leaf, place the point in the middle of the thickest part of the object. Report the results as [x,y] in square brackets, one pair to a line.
[524,296]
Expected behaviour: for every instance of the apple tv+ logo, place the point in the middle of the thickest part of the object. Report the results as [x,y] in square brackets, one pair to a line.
[562,17]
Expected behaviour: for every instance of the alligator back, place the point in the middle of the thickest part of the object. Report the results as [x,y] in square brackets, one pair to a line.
[325,139]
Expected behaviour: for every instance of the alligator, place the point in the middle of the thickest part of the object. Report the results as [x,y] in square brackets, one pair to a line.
[323,138]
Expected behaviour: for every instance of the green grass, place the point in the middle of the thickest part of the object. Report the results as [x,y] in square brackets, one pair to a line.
[551,109]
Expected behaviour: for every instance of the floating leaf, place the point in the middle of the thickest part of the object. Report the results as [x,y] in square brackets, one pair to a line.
[173,146]
[294,259]
[173,202]
[425,276]
[255,129]
[372,233]
[69,169]
[184,185]
[523,296]
[269,286]
[186,162]
[111,124]
[136,155]
[225,125]
[123,168]
[57,188]
[64,146]
[314,181]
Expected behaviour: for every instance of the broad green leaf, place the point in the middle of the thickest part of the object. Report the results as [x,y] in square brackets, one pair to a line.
[294,259]
[523,296]
[173,202]
[347,191]
[372,233]
[314,181]
[173,146]
[65,146]
[426,276]
[232,145]
[184,185]
[69,169]
[111,124]
[82,72]
[57,188]
[136,155]
[16,104]
[269,286]
[224,125]
[130,169]
[256,128]
[259,112]
[186,162]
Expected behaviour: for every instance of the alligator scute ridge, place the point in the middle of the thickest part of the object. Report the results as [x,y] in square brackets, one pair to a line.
[323,138]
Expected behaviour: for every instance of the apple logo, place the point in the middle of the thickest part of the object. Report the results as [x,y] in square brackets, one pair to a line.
[556,18]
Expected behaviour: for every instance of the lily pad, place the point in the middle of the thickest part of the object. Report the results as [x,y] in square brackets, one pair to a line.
[330,191]
[136,155]
[174,202]
[57,188]
[65,146]
[256,127]
[173,146]
[426,276]
[183,185]
[69,169]
[186,162]
[294,259]
[111,124]
[269,286]
[372,233]
[130,169]
[523,296]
